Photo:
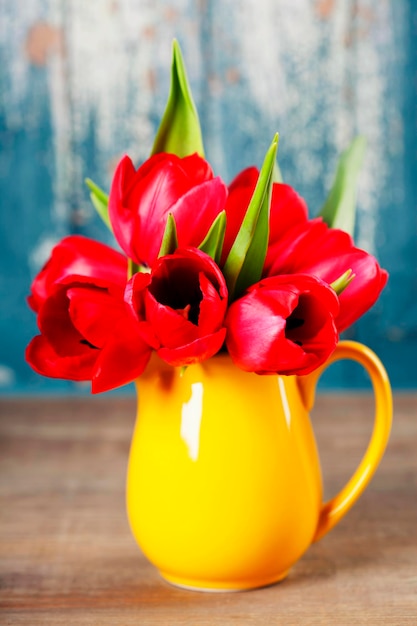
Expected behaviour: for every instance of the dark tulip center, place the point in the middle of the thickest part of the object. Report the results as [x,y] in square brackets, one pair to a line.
[306,320]
[180,290]
[293,325]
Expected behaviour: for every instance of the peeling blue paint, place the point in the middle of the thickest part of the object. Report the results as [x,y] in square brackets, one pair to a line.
[73,99]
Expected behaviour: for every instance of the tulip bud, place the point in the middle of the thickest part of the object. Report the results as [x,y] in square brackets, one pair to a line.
[179,131]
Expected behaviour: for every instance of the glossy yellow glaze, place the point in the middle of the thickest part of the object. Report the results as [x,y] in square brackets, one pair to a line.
[224,488]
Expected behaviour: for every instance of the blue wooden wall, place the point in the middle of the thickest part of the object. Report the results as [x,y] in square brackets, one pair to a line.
[83,82]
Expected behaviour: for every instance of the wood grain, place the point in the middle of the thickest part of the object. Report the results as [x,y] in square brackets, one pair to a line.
[67,555]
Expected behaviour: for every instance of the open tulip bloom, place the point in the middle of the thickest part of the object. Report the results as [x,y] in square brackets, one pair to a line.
[202,267]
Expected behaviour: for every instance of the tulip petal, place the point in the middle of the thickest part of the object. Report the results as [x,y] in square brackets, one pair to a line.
[123,358]
[199,350]
[120,214]
[212,306]
[327,253]
[56,326]
[363,292]
[291,252]
[94,313]
[196,211]
[135,291]
[171,326]
[42,357]
[288,209]
[78,256]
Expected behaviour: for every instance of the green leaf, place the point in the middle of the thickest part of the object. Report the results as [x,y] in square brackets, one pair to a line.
[169,240]
[244,264]
[179,131]
[100,201]
[340,207]
[340,284]
[213,242]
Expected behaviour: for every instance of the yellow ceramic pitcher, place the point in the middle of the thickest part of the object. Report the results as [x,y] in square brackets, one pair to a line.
[224,487]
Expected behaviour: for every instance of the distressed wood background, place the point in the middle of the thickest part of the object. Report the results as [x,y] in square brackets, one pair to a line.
[83,82]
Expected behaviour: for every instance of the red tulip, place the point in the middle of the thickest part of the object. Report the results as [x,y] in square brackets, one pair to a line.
[283,325]
[87,330]
[77,256]
[184,302]
[314,248]
[140,201]
[299,245]
[87,333]
[124,343]
[60,351]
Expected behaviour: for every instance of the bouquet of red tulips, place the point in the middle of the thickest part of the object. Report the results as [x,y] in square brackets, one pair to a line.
[203,267]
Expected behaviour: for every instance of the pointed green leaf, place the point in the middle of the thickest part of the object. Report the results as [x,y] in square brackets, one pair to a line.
[245,261]
[101,208]
[251,271]
[340,207]
[100,201]
[179,131]
[169,240]
[213,242]
[97,190]
[340,284]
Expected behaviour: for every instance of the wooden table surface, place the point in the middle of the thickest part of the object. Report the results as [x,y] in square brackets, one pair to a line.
[67,555]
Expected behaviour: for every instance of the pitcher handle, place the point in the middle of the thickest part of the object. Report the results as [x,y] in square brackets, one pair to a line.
[334,509]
